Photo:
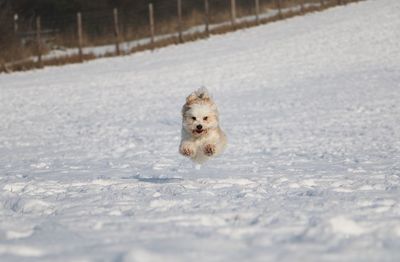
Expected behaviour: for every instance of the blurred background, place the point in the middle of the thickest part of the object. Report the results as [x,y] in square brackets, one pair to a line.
[31,29]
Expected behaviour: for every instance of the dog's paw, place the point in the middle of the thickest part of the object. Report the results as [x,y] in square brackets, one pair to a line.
[209,149]
[186,151]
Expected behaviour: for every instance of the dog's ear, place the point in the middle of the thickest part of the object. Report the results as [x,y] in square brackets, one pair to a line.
[185,108]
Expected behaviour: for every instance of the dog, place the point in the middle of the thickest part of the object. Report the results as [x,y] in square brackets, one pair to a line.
[202,136]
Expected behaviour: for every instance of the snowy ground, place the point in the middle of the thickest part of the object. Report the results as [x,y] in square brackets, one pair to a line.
[89,169]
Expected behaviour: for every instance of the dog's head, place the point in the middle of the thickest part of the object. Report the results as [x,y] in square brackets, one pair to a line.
[199,113]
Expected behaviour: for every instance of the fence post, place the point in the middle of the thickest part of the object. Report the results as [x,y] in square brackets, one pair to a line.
[207,17]
[80,41]
[257,7]
[16,29]
[302,6]
[233,13]
[279,5]
[322,3]
[116,31]
[15,23]
[39,41]
[151,18]
[179,5]
[339,2]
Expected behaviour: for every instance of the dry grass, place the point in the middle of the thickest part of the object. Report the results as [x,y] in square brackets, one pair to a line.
[170,26]
[25,65]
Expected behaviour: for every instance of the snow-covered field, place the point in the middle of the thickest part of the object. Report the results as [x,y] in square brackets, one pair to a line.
[89,169]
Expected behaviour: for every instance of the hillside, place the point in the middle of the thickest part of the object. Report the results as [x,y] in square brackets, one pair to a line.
[89,163]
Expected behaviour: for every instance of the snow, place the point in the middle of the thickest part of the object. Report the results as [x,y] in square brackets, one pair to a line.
[343,225]
[89,163]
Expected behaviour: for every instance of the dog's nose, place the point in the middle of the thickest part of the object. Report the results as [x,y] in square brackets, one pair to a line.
[199,127]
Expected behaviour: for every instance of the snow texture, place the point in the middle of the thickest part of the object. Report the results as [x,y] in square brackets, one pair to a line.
[89,163]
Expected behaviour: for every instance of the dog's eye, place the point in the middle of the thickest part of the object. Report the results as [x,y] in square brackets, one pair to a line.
[194,118]
[205,118]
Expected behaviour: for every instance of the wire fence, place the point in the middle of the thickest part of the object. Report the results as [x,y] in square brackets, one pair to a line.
[38,40]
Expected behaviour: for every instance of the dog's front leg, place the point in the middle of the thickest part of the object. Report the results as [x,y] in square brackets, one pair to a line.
[215,146]
[187,149]
[210,149]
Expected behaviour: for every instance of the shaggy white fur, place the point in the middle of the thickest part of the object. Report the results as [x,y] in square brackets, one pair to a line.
[202,136]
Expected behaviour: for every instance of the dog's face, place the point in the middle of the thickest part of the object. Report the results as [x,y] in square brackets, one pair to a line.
[200,118]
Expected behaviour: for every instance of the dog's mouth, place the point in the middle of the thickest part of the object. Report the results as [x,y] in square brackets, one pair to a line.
[199,131]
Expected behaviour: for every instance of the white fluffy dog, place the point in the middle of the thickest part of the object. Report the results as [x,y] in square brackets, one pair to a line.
[201,135]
